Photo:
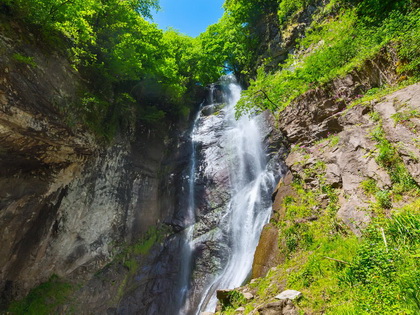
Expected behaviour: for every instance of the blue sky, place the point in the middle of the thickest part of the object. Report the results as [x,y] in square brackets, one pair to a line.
[190,17]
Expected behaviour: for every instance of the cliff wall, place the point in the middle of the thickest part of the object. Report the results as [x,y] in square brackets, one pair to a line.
[68,202]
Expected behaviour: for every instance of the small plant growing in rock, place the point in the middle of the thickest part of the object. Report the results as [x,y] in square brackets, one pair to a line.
[334,140]
[24,59]
[383,198]
[369,186]
[405,117]
[375,116]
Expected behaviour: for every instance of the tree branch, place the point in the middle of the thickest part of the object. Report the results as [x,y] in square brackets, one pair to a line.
[266,96]
[54,9]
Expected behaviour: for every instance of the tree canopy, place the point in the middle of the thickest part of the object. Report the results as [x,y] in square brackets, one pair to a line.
[120,52]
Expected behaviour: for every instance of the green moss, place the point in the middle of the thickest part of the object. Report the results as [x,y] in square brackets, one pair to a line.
[153,236]
[43,299]
[24,59]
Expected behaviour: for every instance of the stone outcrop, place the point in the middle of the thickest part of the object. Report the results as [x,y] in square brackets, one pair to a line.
[284,307]
[318,113]
[400,113]
[267,253]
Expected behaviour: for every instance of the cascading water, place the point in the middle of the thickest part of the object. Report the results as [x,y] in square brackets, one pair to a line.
[232,154]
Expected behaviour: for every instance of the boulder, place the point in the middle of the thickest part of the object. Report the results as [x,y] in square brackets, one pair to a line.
[289,294]
[283,307]
[248,296]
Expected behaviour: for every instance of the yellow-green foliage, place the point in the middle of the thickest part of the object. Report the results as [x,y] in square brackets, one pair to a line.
[388,157]
[339,273]
[334,46]
[24,59]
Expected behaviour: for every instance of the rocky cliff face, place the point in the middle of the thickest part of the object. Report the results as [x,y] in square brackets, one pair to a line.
[67,202]
[331,143]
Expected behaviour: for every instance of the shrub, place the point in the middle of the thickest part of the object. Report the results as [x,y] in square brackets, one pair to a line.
[383,198]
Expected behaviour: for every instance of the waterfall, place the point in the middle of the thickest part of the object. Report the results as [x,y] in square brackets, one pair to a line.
[189,220]
[232,157]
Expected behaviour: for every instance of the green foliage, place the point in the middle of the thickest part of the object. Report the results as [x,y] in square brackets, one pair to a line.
[383,197]
[116,50]
[232,301]
[249,11]
[409,41]
[369,186]
[24,59]
[388,157]
[384,272]
[288,7]
[44,298]
[339,273]
[307,204]
[226,47]
[333,47]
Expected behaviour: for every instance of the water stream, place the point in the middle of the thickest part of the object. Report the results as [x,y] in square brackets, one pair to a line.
[249,181]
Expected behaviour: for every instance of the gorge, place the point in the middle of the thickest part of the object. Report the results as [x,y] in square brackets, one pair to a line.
[137,177]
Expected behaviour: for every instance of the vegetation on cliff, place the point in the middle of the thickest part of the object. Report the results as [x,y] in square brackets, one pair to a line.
[342,35]
[339,273]
[128,63]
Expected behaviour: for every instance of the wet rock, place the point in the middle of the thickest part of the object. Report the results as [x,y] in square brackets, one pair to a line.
[216,181]
[284,189]
[267,254]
